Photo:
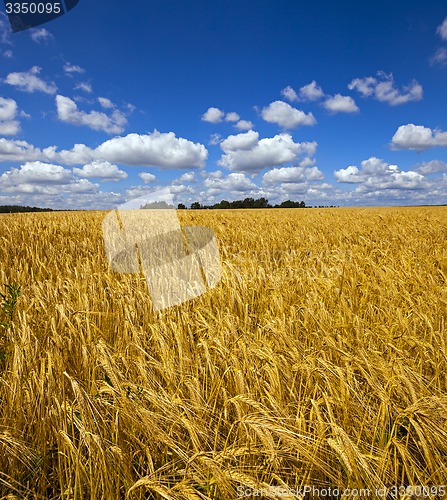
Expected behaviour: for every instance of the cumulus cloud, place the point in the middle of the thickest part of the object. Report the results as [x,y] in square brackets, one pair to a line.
[41,35]
[37,172]
[8,113]
[156,149]
[311,92]
[296,175]
[213,115]
[348,175]
[164,151]
[187,177]
[375,174]
[70,198]
[244,125]
[340,104]
[217,174]
[106,103]
[289,94]
[247,153]
[441,30]
[244,141]
[67,111]
[29,81]
[383,89]
[431,167]
[234,182]
[417,137]
[147,177]
[103,170]
[44,179]
[71,69]
[13,150]
[232,117]
[286,116]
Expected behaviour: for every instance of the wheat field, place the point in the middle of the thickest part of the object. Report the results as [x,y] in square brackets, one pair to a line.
[319,359]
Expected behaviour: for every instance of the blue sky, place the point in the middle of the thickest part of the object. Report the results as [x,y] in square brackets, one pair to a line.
[331,103]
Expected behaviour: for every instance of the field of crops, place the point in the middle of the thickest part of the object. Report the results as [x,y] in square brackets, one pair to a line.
[319,359]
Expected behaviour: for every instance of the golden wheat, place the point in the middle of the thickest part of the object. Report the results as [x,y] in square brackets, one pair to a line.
[319,359]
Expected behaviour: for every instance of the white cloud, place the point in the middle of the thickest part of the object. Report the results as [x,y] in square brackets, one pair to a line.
[36,172]
[217,174]
[384,90]
[440,57]
[8,109]
[375,174]
[213,115]
[244,141]
[245,152]
[9,128]
[188,177]
[29,81]
[417,137]
[5,29]
[294,188]
[289,94]
[348,175]
[180,188]
[85,86]
[431,167]
[311,92]
[22,151]
[72,68]
[232,117]
[106,103]
[68,199]
[12,150]
[340,104]
[8,113]
[244,125]
[159,150]
[8,53]
[294,175]
[147,177]
[102,170]
[442,29]
[215,139]
[164,151]
[41,35]
[235,182]
[67,111]
[307,162]
[286,116]
[43,179]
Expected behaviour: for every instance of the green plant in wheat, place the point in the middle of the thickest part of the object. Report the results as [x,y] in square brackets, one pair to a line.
[8,305]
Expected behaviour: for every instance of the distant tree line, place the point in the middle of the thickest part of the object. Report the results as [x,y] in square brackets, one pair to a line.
[14,209]
[248,203]
[157,204]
